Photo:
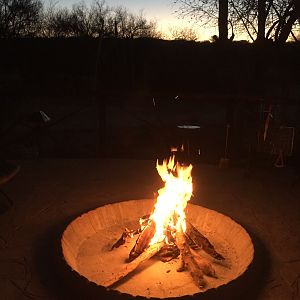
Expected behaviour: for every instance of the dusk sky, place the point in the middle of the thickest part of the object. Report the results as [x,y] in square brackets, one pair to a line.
[162,11]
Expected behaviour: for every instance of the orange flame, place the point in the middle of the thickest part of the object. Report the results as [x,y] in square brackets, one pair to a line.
[169,210]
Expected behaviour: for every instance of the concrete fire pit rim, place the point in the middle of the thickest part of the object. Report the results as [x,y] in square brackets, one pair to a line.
[151,202]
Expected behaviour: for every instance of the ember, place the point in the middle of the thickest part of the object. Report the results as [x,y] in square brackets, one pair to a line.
[167,233]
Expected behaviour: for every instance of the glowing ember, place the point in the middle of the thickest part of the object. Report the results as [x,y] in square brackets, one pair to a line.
[169,212]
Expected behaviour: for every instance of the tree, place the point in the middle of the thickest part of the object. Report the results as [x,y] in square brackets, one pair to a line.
[19,18]
[81,20]
[57,23]
[128,25]
[267,19]
[185,34]
[223,20]
[206,12]
[96,20]
[100,19]
[22,18]
[288,18]
[260,19]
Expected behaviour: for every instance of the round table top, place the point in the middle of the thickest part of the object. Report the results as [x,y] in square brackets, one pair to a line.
[188,126]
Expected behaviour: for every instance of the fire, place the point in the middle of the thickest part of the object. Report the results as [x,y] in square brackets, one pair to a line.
[169,210]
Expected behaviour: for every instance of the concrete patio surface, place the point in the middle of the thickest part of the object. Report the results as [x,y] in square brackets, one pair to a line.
[48,194]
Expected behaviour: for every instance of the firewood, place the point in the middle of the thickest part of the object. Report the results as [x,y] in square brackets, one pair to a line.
[206,267]
[180,243]
[144,220]
[191,243]
[168,252]
[204,264]
[188,261]
[131,266]
[195,270]
[142,241]
[200,240]
[127,233]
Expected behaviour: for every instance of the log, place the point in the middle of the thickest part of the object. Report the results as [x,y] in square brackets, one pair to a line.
[201,241]
[195,270]
[191,243]
[168,252]
[131,232]
[188,261]
[127,233]
[131,266]
[180,243]
[204,264]
[142,241]
[206,267]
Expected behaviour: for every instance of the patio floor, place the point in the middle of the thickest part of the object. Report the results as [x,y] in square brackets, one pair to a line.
[48,194]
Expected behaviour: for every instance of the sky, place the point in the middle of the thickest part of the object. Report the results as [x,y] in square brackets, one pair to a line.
[161,11]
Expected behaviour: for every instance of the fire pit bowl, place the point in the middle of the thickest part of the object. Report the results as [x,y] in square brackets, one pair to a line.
[87,242]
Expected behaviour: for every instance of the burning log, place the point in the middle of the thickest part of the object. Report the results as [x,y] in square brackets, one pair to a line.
[168,252]
[201,241]
[131,266]
[184,244]
[142,241]
[181,244]
[127,233]
[188,261]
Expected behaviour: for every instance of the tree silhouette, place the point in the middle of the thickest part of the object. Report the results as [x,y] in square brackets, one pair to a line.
[128,25]
[81,20]
[260,20]
[265,20]
[19,17]
[207,12]
[57,24]
[23,18]
[99,19]
[223,20]
[100,15]
[185,34]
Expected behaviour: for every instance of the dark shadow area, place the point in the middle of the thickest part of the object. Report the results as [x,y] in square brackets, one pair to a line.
[5,202]
[8,171]
[63,283]
[143,90]
[143,65]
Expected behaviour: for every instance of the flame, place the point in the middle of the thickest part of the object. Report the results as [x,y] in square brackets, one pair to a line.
[169,209]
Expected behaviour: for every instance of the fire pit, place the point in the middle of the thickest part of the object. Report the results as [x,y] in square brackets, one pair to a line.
[195,250]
